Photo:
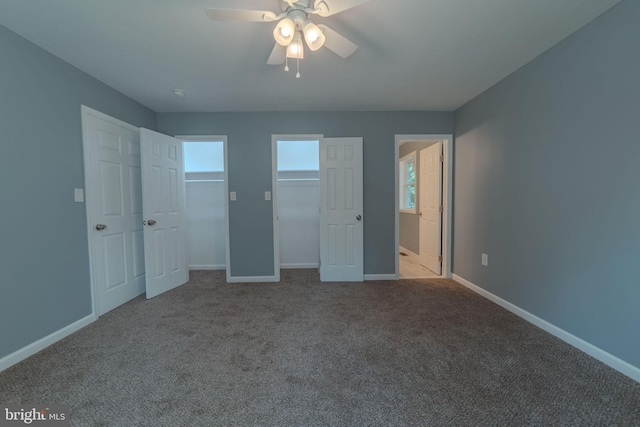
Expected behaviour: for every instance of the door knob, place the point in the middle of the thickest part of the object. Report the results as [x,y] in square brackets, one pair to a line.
[151,222]
[359,217]
[420,214]
[100,227]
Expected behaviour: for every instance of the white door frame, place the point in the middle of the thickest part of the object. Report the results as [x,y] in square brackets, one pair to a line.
[274,190]
[447,195]
[215,138]
[85,112]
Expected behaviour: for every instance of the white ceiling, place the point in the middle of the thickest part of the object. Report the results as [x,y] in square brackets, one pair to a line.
[413,55]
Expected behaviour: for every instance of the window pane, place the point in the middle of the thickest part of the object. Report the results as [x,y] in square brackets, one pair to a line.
[203,156]
[298,156]
[410,194]
[411,172]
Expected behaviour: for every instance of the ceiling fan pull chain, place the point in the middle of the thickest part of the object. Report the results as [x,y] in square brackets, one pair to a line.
[298,73]
[286,63]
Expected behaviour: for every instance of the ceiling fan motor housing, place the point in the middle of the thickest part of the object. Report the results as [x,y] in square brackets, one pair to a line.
[299,17]
[302,4]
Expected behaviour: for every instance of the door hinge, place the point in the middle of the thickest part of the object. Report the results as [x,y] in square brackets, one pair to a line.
[441,157]
[441,208]
[440,258]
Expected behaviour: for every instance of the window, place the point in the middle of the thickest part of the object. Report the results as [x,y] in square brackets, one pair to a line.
[203,156]
[408,183]
[298,155]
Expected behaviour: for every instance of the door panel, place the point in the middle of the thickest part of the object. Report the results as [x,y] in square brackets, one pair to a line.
[115,253]
[430,202]
[163,204]
[341,224]
[113,193]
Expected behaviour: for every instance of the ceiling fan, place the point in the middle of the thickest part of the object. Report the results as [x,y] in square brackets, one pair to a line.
[294,26]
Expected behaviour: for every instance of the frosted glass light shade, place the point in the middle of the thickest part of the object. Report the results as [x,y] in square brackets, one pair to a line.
[295,49]
[284,32]
[313,35]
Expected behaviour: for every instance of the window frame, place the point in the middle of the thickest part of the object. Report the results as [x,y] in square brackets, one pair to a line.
[403,185]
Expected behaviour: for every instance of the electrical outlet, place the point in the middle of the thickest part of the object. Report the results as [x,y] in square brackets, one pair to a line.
[485,260]
[232,195]
[267,195]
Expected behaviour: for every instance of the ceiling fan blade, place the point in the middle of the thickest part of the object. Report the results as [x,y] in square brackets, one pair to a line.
[216,14]
[338,43]
[277,56]
[331,7]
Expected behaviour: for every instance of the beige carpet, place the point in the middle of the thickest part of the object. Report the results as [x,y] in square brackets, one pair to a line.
[301,352]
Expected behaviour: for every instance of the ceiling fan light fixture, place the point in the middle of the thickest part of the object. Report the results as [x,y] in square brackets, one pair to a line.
[284,32]
[313,35]
[295,49]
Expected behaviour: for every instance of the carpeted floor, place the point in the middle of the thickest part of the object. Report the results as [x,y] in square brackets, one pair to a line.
[302,353]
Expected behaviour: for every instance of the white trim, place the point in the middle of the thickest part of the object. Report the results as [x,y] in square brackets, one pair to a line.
[252,279]
[274,206]
[42,343]
[619,365]
[274,192]
[207,267]
[201,138]
[409,253]
[88,151]
[301,265]
[368,277]
[447,195]
[298,176]
[227,230]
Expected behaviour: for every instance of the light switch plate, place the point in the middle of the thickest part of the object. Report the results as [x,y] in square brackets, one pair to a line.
[267,195]
[232,195]
[78,195]
[485,260]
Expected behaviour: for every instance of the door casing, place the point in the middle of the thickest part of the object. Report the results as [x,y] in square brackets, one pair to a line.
[447,196]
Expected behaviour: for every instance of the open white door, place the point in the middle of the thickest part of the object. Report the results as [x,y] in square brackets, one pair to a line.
[163,207]
[114,209]
[430,208]
[341,222]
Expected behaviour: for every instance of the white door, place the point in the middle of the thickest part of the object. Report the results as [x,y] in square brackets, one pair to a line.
[430,211]
[163,206]
[114,207]
[341,221]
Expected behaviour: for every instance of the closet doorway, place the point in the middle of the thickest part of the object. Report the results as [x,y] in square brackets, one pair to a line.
[297,195]
[206,204]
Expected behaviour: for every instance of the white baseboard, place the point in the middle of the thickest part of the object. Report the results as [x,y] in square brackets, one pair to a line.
[409,253]
[207,267]
[45,342]
[302,265]
[251,279]
[619,365]
[368,277]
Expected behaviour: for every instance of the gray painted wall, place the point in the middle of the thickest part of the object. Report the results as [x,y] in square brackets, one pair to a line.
[249,159]
[410,223]
[44,272]
[546,182]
